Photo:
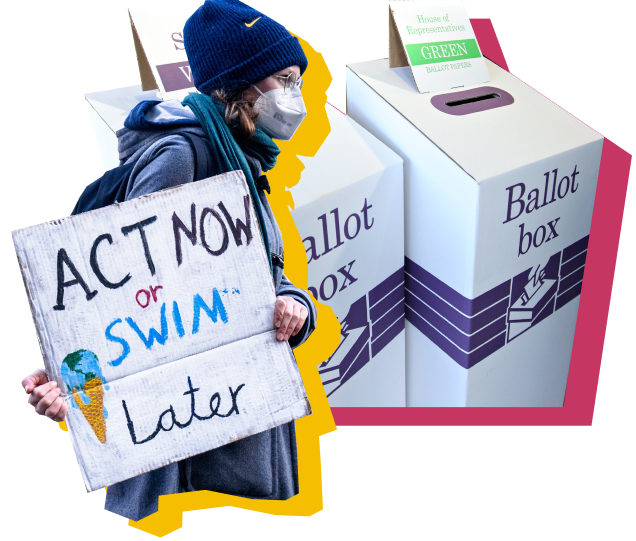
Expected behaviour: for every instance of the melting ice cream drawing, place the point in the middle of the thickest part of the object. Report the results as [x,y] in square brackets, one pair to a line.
[84,381]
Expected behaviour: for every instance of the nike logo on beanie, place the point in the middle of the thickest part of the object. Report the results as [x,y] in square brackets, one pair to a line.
[252,23]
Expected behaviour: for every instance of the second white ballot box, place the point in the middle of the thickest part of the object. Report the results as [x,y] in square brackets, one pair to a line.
[349,211]
[108,110]
[499,190]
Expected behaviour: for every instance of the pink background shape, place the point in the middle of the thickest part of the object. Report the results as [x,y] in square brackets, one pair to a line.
[589,336]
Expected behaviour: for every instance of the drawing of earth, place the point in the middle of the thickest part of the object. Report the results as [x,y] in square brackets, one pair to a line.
[84,381]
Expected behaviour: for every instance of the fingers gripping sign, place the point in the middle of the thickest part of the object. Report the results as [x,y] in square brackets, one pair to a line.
[45,396]
[289,317]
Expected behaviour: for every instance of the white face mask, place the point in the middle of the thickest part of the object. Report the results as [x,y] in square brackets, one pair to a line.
[280,114]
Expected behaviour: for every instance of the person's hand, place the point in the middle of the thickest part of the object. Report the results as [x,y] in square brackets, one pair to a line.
[45,396]
[289,317]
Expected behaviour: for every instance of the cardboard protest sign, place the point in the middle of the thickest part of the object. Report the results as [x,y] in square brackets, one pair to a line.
[435,39]
[161,55]
[155,317]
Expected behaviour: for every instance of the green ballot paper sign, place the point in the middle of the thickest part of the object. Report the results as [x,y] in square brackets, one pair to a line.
[436,40]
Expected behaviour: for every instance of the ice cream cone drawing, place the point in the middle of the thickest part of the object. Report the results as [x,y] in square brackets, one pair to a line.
[84,381]
[94,410]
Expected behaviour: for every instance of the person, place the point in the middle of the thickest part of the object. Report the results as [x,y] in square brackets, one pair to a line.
[247,69]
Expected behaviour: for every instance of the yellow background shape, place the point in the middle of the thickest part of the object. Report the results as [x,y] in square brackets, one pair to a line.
[320,345]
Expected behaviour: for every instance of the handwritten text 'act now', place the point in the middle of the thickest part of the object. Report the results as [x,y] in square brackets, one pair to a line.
[221,220]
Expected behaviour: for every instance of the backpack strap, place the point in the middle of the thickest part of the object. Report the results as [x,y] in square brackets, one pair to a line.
[202,159]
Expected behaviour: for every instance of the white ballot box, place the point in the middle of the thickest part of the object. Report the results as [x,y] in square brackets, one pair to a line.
[108,110]
[499,191]
[349,210]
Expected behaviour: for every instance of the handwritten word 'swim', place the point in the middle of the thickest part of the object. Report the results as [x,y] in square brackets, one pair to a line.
[215,404]
[222,220]
[217,311]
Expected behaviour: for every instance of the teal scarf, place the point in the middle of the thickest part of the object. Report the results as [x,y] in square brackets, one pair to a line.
[228,152]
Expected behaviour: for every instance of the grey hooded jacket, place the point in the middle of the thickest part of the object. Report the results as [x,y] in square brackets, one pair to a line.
[261,466]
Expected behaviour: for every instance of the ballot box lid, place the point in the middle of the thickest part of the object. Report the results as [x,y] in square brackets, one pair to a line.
[488,129]
[348,155]
[114,105]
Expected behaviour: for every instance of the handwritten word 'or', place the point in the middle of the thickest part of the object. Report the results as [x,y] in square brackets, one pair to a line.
[148,294]
[215,404]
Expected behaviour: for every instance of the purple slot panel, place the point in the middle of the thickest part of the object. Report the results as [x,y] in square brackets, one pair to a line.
[570,294]
[447,103]
[467,343]
[466,324]
[387,303]
[466,360]
[176,76]
[387,320]
[385,287]
[387,337]
[572,265]
[575,249]
[464,305]
[569,281]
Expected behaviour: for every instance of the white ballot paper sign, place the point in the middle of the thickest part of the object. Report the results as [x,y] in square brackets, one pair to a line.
[436,40]
[161,55]
[155,318]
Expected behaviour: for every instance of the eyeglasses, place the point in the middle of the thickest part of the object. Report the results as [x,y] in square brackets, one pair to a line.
[290,82]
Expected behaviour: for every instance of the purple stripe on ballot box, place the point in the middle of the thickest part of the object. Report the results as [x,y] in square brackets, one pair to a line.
[464,323]
[354,362]
[176,76]
[573,264]
[462,358]
[570,294]
[382,324]
[387,337]
[382,309]
[359,345]
[575,249]
[470,330]
[388,302]
[386,286]
[461,340]
[570,280]
[467,306]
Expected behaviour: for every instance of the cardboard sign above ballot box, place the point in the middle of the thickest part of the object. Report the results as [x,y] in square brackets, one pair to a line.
[435,40]
[155,318]
[161,55]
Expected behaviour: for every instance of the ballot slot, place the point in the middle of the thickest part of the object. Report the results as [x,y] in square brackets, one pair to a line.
[455,103]
[470,101]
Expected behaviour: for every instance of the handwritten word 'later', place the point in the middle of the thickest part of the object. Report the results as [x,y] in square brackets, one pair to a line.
[215,404]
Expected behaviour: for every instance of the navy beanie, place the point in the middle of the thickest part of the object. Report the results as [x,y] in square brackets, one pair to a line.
[231,46]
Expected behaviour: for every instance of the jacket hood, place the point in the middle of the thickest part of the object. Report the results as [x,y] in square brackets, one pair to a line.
[150,121]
